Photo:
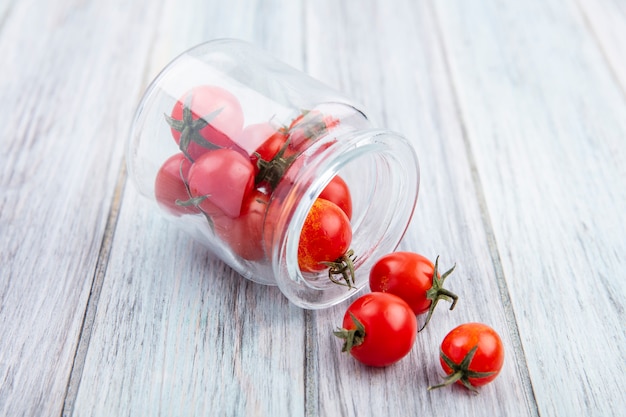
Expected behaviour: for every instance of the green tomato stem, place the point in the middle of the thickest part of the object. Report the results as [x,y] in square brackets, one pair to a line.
[353,337]
[343,266]
[461,371]
[437,292]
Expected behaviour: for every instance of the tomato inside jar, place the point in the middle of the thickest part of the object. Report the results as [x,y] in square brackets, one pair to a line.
[283,178]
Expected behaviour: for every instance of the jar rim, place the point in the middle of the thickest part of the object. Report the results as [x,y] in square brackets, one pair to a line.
[394,180]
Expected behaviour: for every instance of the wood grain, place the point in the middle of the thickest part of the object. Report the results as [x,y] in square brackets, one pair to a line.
[179,333]
[62,124]
[176,331]
[517,111]
[548,149]
[415,98]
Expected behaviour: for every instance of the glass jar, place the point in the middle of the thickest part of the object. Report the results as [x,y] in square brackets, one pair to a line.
[235,147]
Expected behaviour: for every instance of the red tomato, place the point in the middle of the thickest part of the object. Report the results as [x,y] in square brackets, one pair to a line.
[244,234]
[472,355]
[294,164]
[224,178]
[411,277]
[281,148]
[170,187]
[253,138]
[313,118]
[272,159]
[206,117]
[325,236]
[338,192]
[268,150]
[308,127]
[379,329]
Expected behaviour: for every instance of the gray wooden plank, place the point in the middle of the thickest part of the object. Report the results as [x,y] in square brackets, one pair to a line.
[502,190]
[390,58]
[266,23]
[179,333]
[176,331]
[545,121]
[62,124]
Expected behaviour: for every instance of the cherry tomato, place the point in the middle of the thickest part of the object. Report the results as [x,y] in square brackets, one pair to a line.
[325,236]
[413,278]
[253,137]
[244,234]
[313,118]
[379,329]
[295,162]
[222,178]
[308,127]
[472,355]
[268,150]
[206,117]
[170,187]
[272,158]
[338,192]
[275,156]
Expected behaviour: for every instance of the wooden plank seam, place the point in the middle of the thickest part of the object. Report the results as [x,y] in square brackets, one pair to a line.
[94,295]
[311,363]
[505,297]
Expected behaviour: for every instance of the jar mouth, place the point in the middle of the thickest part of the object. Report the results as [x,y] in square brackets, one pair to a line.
[382,171]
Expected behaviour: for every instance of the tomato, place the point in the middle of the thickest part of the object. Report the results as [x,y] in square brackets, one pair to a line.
[170,187]
[295,162]
[253,138]
[413,278]
[244,234]
[222,178]
[338,192]
[206,117]
[270,153]
[314,120]
[472,355]
[379,329]
[325,236]
[274,156]
[308,127]
[268,150]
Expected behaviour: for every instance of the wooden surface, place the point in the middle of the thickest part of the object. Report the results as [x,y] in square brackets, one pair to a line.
[517,110]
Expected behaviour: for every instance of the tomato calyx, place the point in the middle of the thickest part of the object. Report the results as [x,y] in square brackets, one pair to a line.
[343,266]
[303,130]
[193,201]
[272,171]
[190,129]
[436,292]
[461,372]
[353,337]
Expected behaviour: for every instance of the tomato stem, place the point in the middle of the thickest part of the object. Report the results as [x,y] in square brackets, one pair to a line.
[437,292]
[273,170]
[190,129]
[193,201]
[343,266]
[461,371]
[353,337]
